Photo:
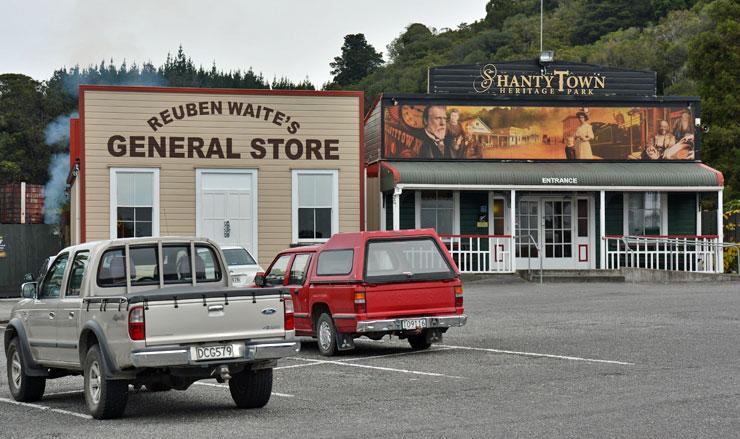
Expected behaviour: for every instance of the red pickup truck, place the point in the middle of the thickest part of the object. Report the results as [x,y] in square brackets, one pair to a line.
[371,284]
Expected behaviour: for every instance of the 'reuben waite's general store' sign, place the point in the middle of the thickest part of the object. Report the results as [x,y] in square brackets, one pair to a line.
[289,145]
[529,79]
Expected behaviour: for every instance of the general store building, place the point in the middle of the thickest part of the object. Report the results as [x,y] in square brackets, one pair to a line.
[571,166]
[260,168]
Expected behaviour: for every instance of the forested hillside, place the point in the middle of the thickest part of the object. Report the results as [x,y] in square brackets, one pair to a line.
[694,46]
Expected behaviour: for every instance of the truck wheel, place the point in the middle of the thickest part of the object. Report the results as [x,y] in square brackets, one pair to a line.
[106,399]
[419,342]
[24,388]
[326,334]
[251,389]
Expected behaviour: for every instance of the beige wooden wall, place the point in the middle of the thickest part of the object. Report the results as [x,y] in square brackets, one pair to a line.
[108,113]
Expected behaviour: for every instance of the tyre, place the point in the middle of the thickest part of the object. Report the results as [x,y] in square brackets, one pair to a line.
[326,334]
[158,387]
[106,399]
[251,389]
[24,388]
[419,342]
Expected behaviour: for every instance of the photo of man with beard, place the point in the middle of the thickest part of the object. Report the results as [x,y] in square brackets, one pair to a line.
[433,134]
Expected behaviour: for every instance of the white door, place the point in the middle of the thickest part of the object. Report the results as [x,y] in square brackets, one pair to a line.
[227,210]
[557,228]
[584,233]
[562,229]
[528,233]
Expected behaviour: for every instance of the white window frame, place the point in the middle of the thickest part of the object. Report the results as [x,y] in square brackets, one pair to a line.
[455,209]
[663,212]
[334,203]
[494,196]
[113,201]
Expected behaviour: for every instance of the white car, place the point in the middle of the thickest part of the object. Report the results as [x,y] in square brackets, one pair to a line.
[242,266]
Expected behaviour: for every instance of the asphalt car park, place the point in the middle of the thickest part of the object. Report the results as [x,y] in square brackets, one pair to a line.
[559,360]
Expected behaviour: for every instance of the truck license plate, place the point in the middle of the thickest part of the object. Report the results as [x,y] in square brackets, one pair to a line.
[206,353]
[414,324]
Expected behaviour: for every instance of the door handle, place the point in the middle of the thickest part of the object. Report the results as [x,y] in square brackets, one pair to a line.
[71,314]
[52,315]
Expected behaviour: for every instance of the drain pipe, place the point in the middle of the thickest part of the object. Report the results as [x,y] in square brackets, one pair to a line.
[540,253]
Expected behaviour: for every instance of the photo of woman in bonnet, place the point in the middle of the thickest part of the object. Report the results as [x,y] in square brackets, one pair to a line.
[583,136]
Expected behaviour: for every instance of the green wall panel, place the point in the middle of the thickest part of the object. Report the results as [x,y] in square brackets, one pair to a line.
[681,213]
[407,215]
[470,204]
[614,213]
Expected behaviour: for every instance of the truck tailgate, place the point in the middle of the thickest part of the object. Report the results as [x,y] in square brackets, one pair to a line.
[410,298]
[213,319]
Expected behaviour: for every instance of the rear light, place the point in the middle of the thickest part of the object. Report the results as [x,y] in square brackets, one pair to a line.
[136,324]
[458,297]
[360,302]
[289,318]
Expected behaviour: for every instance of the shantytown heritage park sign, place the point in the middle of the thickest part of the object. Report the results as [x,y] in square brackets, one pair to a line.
[529,79]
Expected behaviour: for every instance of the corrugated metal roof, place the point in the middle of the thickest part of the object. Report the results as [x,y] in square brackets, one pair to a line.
[643,174]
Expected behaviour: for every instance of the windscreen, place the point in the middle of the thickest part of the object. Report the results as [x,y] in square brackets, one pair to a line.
[404,260]
[238,256]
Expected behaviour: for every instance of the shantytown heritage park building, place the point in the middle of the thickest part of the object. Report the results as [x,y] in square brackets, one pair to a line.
[573,166]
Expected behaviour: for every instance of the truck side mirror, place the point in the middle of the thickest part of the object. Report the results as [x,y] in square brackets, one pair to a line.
[259,279]
[28,290]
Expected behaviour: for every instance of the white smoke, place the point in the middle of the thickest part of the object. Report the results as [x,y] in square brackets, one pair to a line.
[54,192]
[55,195]
[149,78]
[58,129]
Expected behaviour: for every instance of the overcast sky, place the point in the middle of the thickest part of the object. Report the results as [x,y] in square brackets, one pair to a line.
[289,37]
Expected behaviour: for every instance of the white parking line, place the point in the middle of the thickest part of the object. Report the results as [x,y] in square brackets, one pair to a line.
[2,327]
[43,407]
[388,369]
[293,366]
[369,357]
[284,395]
[398,354]
[70,392]
[534,354]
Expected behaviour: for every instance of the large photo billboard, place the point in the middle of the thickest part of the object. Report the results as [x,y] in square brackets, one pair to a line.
[460,132]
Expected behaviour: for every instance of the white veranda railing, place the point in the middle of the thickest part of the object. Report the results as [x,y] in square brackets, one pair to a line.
[481,253]
[691,253]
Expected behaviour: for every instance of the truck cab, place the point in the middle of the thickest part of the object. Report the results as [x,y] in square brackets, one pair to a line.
[372,284]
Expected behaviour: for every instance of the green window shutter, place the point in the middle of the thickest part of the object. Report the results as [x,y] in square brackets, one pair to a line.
[470,204]
[681,213]
[408,210]
[614,213]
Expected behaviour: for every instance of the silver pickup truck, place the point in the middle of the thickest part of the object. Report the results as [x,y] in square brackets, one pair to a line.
[130,312]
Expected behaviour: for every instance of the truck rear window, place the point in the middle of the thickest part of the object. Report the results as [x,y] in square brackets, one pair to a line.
[398,260]
[335,262]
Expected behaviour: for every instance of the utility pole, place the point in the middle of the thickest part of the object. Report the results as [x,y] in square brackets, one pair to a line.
[542,2]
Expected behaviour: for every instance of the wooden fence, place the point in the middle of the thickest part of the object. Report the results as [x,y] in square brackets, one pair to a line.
[23,247]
